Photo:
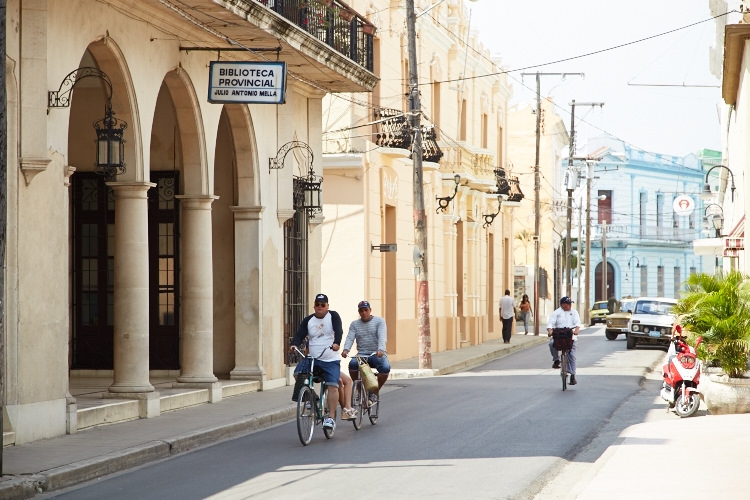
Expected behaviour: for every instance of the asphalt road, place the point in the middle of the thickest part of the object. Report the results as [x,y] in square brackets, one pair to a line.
[501,430]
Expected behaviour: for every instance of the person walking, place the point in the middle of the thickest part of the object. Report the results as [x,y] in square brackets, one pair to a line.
[525,308]
[565,317]
[507,314]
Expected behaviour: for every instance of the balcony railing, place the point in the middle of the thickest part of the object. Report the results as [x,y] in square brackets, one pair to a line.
[333,23]
[393,130]
[430,149]
[659,233]
[515,190]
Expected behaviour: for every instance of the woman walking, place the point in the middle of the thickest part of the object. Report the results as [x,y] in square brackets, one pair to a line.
[525,308]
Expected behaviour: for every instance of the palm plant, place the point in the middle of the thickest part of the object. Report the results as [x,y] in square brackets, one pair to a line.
[717,307]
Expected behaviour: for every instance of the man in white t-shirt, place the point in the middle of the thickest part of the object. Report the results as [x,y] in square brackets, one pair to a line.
[324,330]
[565,317]
[507,314]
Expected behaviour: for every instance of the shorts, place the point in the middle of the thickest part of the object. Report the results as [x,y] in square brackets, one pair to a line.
[380,364]
[330,371]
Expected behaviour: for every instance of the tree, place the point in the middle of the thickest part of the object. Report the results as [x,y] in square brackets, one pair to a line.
[717,307]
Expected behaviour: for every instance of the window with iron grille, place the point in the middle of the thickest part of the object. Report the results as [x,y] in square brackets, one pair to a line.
[677,281]
[295,269]
[644,281]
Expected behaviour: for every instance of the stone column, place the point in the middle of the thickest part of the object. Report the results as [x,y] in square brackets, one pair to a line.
[131,288]
[197,291]
[248,279]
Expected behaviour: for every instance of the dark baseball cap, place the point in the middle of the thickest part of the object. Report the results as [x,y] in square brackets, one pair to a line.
[566,300]
[321,297]
[362,304]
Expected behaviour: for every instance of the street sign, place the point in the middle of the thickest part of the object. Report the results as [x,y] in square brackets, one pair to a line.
[683,205]
[383,247]
[247,82]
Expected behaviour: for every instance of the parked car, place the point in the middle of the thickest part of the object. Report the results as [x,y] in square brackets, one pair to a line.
[651,322]
[598,312]
[617,323]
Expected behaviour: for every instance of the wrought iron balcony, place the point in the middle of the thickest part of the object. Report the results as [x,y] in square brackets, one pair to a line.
[430,149]
[333,23]
[393,131]
[503,186]
[515,190]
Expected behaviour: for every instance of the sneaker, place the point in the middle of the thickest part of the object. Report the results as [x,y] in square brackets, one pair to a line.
[373,398]
[329,423]
[573,379]
[348,414]
[556,364]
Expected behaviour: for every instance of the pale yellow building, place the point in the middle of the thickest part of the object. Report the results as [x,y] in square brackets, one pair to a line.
[369,175]
[553,139]
[195,259]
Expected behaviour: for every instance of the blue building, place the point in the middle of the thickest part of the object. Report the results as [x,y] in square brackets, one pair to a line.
[648,245]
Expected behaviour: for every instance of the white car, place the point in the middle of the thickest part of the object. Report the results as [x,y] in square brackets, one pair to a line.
[651,322]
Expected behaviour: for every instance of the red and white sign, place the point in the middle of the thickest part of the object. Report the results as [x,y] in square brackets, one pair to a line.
[683,205]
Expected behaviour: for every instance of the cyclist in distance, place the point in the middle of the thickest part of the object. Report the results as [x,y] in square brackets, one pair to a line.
[324,330]
[371,334]
[565,317]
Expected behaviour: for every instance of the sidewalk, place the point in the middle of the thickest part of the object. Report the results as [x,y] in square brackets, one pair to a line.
[64,461]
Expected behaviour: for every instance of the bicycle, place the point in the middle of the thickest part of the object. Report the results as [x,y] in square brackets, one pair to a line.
[563,342]
[361,400]
[311,408]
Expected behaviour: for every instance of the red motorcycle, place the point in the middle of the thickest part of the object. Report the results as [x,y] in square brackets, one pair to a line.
[682,373]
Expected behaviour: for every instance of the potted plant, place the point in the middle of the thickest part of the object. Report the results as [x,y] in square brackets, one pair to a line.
[717,308]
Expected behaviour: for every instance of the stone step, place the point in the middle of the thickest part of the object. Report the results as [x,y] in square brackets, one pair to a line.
[238,387]
[9,439]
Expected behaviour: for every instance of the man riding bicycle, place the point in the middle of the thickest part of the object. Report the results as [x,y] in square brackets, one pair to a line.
[565,317]
[324,331]
[371,334]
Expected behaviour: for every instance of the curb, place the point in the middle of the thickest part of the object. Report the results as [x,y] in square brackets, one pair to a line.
[22,487]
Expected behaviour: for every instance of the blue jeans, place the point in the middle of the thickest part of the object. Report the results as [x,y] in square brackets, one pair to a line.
[380,364]
[571,355]
[330,371]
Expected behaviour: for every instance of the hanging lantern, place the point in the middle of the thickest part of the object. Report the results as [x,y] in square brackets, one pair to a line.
[110,150]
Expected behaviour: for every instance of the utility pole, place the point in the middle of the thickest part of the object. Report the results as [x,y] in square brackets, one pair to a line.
[3,208]
[420,218]
[587,293]
[570,186]
[537,183]
[604,260]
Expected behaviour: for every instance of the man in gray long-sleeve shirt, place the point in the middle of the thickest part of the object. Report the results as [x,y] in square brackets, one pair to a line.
[371,335]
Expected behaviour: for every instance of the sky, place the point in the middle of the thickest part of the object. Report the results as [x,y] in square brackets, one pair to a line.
[671,120]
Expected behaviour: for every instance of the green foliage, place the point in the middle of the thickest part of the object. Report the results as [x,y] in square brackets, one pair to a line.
[717,307]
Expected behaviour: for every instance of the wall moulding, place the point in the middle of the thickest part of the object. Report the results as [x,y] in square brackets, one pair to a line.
[32,166]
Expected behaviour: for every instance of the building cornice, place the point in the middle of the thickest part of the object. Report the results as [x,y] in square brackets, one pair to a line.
[735,36]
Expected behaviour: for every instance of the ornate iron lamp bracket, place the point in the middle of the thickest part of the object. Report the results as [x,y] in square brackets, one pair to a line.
[61,98]
[278,162]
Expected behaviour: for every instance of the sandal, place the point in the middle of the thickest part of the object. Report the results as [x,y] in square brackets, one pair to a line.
[348,414]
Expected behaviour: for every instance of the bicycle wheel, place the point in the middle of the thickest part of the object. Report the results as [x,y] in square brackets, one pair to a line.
[358,396]
[328,431]
[564,369]
[305,415]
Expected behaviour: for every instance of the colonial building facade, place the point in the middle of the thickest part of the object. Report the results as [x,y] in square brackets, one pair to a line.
[187,261]
[369,184]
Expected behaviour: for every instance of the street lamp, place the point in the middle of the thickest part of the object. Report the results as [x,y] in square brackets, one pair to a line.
[715,219]
[444,201]
[110,131]
[706,193]
[637,262]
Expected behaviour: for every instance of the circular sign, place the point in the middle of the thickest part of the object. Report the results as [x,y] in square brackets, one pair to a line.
[683,205]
